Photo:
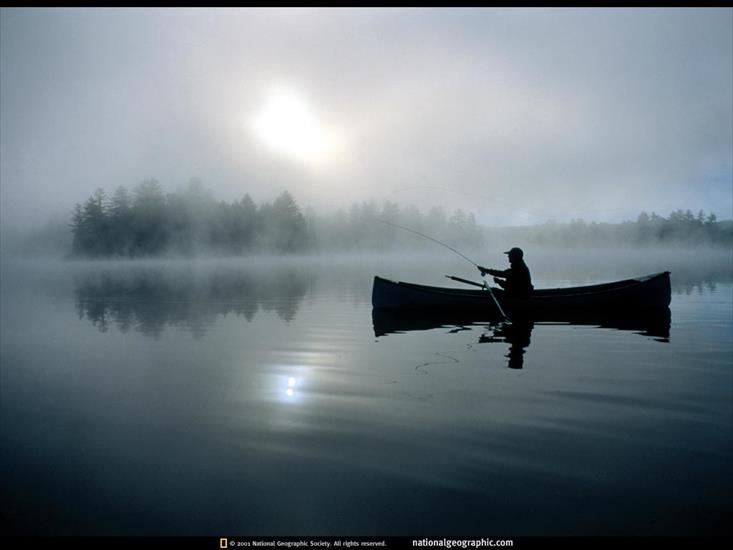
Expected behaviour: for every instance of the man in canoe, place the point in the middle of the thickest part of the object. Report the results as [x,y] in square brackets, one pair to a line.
[516,280]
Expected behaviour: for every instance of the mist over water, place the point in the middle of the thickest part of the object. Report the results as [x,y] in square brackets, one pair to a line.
[179,397]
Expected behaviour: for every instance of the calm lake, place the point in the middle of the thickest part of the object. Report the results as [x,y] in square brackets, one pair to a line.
[260,396]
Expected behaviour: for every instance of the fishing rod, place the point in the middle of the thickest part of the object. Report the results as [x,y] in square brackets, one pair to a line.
[485,285]
[432,239]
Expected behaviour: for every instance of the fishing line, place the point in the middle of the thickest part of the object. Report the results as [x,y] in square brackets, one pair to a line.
[491,292]
[432,239]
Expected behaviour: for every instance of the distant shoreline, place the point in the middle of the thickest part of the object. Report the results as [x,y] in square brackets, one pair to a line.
[145,222]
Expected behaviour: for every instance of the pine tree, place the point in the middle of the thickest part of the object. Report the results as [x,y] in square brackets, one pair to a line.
[287,224]
[77,230]
[149,219]
[120,223]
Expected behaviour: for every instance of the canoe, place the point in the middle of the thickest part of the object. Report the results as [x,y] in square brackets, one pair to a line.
[648,292]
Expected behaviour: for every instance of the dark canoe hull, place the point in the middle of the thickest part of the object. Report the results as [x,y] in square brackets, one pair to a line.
[649,292]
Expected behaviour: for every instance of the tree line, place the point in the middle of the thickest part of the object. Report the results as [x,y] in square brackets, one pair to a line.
[372,226]
[147,222]
[680,228]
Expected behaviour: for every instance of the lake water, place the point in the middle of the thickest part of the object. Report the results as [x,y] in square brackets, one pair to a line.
[218,397]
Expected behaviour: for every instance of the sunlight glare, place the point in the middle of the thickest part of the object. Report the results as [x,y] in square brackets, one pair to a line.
[287,125]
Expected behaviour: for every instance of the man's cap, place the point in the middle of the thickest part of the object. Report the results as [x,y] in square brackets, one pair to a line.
[515,252]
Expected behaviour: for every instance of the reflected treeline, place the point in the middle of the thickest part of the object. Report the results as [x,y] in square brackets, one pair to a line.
[698,287]
[148,301]
[654,324]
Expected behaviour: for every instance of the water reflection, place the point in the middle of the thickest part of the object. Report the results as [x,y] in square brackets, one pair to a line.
[150,300]
[290,391]
[654,324]
[700,287]
[517,334]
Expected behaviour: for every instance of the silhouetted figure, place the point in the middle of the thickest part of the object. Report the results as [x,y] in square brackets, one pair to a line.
[516,280]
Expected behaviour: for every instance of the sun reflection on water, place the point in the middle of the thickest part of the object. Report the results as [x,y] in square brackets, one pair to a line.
[290,389]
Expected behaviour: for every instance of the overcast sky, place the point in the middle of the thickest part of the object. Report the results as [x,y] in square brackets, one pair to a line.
[519,115]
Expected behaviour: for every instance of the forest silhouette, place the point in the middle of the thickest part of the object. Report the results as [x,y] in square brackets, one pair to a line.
[145,222]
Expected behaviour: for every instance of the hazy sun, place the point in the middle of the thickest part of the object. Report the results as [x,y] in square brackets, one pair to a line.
[288,126]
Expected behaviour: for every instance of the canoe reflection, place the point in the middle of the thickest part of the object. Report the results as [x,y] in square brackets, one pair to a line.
[651,323]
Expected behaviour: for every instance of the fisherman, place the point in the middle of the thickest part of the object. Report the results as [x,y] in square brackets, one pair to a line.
[516,280]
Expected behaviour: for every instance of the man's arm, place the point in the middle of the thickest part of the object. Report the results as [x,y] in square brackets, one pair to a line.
[494,272]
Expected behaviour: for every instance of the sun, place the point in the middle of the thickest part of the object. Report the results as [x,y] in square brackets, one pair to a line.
[288,126]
